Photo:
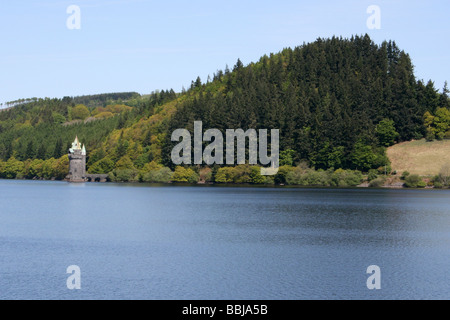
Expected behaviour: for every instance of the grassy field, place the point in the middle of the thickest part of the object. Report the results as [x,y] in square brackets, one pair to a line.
[420,157]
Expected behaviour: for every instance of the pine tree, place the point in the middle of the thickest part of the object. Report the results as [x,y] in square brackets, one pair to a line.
[444,101]
[41,154]
[58,152]
[30,152]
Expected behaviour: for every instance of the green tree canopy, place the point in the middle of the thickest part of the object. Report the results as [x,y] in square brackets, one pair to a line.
[80,112]
[386,133]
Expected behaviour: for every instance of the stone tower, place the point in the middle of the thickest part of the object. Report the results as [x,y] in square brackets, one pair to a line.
[77,166]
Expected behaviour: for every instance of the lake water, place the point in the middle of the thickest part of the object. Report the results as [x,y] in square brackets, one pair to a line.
[209,243]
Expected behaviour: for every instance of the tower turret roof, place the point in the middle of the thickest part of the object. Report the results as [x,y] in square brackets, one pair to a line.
[76,145]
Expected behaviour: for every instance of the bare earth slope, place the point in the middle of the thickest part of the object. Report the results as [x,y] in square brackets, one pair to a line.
[420,157]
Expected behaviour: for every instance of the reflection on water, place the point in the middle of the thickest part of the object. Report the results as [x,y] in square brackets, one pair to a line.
[168,242]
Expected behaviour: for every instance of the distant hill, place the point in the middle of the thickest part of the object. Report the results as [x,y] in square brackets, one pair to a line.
[103,99]
[420,157]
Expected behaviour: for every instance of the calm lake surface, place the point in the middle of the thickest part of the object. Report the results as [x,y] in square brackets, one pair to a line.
[208,243]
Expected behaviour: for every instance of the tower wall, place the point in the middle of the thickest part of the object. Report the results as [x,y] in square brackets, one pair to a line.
[77,167]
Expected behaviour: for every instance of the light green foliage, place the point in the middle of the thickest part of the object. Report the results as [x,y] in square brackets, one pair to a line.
[438,126]
[12,169]
[243,174]
[182,174]
[104,115]
[287,158]
[386,133]
[60,168]
[415,181]
[124,175]
[256,177]
[110,110]
[421,184]
[309,177]
[58,118]
[225,175]
[442,122]
[162,175]
[79,112]
[125,163]
[35,169]
[346,178]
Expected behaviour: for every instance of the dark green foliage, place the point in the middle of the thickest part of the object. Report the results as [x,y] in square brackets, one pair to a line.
[59,150]
[281,177]
[103,99]
[405,175]
[365,157]
[415,181]
[103,166]
[335,101]
[30,152]
[42,152]
[373,174]
[35,129]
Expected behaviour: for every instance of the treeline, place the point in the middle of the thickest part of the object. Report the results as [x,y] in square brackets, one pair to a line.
[339,103]
[46,141]
[55,169]
[302,175]
[44,128]
[11,104]
[241,174]
[102,100]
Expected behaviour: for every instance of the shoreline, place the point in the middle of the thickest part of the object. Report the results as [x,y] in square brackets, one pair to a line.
[362,186]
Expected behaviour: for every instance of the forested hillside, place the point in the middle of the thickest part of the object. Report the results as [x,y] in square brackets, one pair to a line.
[333,100]
[339,103]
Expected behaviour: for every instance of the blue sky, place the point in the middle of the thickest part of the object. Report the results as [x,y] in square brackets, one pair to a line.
[141,45]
